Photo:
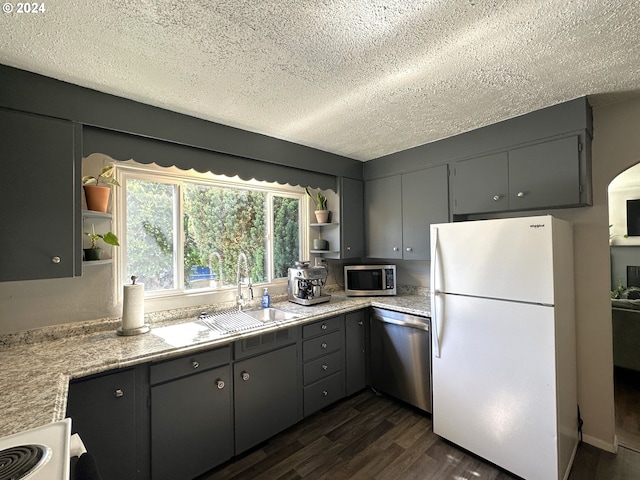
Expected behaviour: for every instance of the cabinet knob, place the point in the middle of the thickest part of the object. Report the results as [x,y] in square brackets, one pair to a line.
[360,323]
[118,393]
[244,376]
[195,364]
[325,367]
[349,248]
[409,249]
[324,326]
[520,194]
[496,198]
[396,249]
[323,345]
[325,393]
[56,259]
[220,384]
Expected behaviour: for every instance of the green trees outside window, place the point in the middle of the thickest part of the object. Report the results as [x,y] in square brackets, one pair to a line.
[217,223]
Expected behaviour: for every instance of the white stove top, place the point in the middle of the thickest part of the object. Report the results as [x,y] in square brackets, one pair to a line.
[55,438]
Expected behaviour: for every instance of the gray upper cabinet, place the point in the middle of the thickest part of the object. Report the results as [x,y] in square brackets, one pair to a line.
[383,217]
[42,155]
[400,209]
[425,200]
[351,217]
[545,175]
[548,174]
[481,184]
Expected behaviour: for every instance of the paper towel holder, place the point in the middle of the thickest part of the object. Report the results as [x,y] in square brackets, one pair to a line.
[133,331]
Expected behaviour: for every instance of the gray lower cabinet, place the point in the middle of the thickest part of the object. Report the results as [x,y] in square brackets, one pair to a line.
[42,200]
[191,415]
[355,351]
[548,174]
[323,363]
[351,218]
[107,412]
[401,208]
[266,395]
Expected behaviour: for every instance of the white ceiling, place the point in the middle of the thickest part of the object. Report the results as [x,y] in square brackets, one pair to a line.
[353,77]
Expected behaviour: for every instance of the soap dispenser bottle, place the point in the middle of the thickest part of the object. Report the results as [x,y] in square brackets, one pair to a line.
[266,299]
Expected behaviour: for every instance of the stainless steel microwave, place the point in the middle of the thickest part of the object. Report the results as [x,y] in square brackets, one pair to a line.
[369,280]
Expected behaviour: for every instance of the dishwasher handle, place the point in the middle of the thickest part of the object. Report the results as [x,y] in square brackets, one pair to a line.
[401,319]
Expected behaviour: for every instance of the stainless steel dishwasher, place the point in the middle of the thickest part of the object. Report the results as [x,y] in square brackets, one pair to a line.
[400,357]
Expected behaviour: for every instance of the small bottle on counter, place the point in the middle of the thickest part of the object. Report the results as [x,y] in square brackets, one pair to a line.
[266,299]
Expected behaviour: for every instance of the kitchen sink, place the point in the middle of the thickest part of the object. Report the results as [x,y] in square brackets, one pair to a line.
[243,320]
[271,314]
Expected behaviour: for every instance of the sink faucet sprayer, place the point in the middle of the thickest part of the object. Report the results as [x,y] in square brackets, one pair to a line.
[240,297]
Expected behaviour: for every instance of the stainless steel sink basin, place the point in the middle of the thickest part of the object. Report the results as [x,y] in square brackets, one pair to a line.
[270,314]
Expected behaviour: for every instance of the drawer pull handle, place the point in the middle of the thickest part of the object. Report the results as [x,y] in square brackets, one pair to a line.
[360,323]
[56,259]
[195,364]
[325,393]
[323,345]
[324,326]
[325,367]
[118,393]
[245,376]
[409,249]
[220,384]
[520,194]
[496,198]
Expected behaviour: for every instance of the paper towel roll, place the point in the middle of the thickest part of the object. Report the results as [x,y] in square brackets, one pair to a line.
[133,307]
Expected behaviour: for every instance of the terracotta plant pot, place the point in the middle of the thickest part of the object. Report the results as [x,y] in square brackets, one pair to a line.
[322,216]
[92,254]
[97,197]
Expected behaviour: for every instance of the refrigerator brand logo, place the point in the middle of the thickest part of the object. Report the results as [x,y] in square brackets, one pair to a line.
[536,225]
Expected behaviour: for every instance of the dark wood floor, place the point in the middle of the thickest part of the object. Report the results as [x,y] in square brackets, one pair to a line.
[627,395]
[373,437]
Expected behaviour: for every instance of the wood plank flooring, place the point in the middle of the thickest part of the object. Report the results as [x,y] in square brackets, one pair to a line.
[627,399]
[376,437]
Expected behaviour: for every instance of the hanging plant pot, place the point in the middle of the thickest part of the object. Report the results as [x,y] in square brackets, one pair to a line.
[97,197]
[92,254]
[322,216]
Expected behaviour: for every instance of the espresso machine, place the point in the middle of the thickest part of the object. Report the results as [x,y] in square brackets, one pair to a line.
[305,284]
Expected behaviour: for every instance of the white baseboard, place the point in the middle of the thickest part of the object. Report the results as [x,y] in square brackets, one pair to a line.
[601,444]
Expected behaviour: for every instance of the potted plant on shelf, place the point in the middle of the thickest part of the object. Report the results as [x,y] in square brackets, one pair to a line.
[97,195]
[95,252]
[320,201]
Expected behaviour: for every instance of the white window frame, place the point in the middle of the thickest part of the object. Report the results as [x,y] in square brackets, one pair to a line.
[186,297]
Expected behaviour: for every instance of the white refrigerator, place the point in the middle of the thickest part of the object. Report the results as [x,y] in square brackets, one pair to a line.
[503,333]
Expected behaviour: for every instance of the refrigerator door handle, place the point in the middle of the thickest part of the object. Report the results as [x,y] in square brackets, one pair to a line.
[434,291]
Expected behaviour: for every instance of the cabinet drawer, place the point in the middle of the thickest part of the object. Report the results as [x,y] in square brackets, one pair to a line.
[189,364]
[321,345]
[323,393]
[322,367]
[323,326]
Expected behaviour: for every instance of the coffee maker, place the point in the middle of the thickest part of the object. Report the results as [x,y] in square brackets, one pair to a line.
[305,284]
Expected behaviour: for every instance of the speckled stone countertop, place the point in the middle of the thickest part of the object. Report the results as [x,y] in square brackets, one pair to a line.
[35,374]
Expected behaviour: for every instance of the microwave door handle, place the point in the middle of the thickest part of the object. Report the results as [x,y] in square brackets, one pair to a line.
[434,291]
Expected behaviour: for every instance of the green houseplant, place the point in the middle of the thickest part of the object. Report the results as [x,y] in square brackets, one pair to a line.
[97,195]
[320,201]
[95,252]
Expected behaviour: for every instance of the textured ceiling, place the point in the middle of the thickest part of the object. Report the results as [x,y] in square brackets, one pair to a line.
[353,77]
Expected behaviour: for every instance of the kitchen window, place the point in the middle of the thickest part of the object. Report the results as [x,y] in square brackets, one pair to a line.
[183,232]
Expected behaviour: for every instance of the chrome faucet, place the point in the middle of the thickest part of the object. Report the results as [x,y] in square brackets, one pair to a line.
[216,255]
[239,296]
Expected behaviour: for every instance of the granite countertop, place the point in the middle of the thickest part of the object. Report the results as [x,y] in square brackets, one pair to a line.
[35,374]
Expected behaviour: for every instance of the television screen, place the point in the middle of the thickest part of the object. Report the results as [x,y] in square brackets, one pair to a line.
[633,218]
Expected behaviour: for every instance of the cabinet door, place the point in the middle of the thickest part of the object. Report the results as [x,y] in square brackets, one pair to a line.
[191,425]
[425,200]
[266,396]
[383,217]
[355,352]
[481,184]
[545,175]
[103,413]
[352,218]
[39,237]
